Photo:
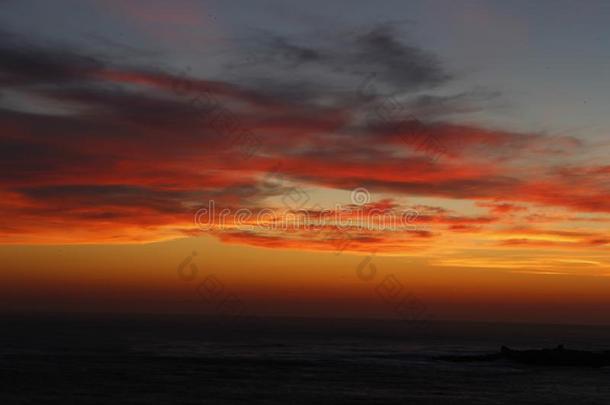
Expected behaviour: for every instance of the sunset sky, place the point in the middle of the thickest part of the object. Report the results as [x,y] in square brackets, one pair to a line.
[487,122]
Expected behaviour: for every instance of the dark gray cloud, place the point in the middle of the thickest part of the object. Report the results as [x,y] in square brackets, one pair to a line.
[22,63]
[398,66]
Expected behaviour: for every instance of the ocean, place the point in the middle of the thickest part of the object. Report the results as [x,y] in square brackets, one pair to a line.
[103,359]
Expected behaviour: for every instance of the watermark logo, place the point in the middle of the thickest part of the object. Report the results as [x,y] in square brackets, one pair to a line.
[358,216]
[360,196]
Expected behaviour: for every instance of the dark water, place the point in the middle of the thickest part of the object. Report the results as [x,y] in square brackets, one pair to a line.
[197,360]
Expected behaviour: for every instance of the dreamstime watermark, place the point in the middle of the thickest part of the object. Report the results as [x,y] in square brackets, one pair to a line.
[341,218]
[316,220]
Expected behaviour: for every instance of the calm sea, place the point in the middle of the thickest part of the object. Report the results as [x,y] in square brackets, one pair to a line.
[202,360]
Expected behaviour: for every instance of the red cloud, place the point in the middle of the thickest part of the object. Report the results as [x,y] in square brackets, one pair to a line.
[150,154]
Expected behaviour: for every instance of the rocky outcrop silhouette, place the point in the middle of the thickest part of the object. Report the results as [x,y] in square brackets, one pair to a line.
[558,356]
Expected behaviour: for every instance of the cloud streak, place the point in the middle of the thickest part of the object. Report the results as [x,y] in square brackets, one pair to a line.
[143,147]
